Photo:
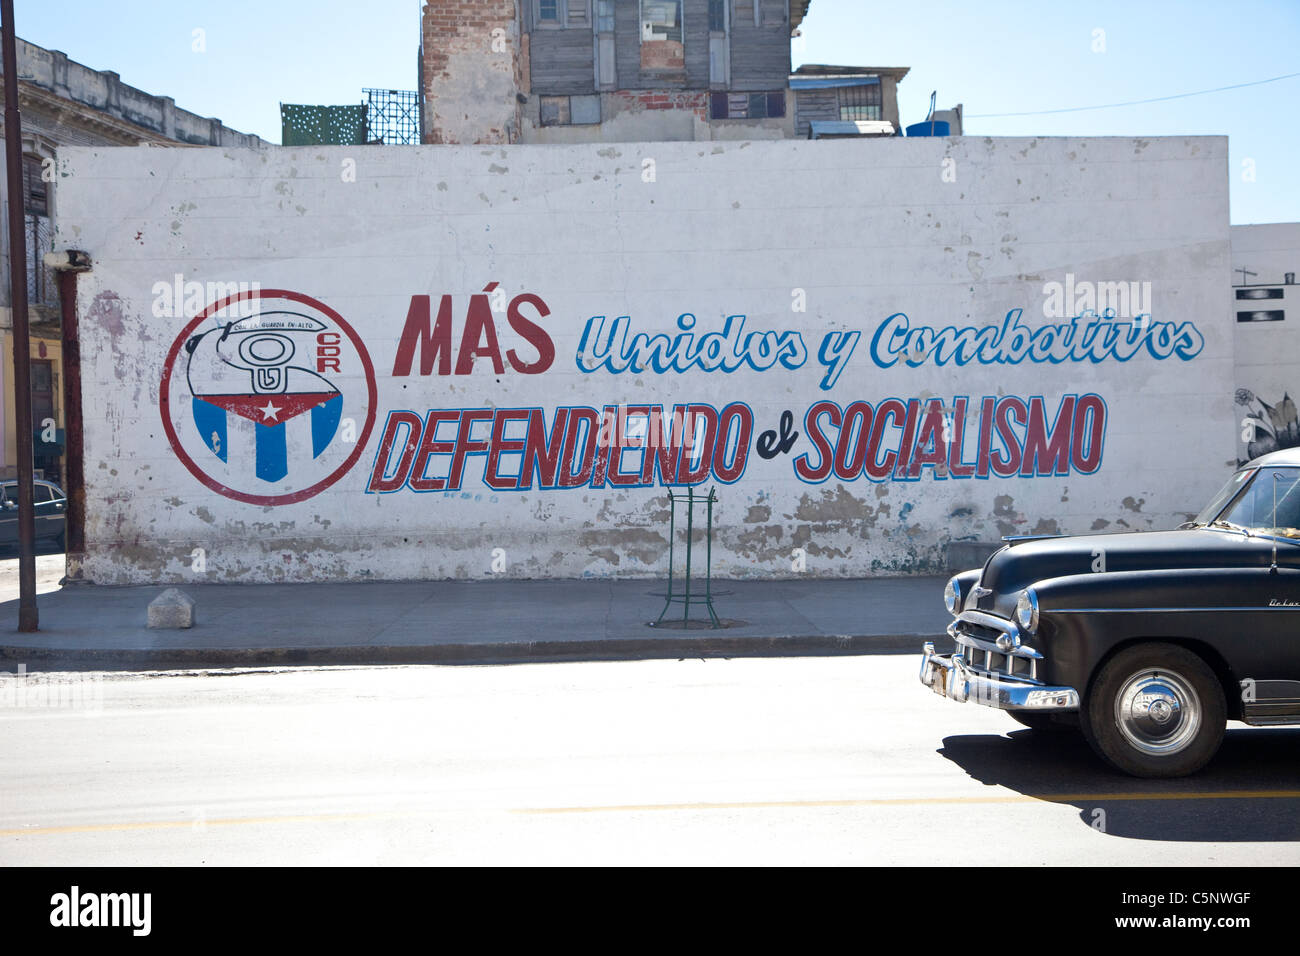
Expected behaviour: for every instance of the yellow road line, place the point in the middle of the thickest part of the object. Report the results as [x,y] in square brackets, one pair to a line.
[200,824]
[1088,798]
[905,801]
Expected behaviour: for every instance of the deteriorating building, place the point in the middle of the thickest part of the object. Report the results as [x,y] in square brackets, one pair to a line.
[832,101]
[571,71]
[66,104]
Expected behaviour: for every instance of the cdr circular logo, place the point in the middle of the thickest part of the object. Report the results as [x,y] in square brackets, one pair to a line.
[261,396]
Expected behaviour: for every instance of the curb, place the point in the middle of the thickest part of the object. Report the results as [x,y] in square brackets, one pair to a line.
[513,652]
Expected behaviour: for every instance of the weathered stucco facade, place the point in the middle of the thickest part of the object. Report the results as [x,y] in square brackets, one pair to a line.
[472,68]
[459,361]
[64,103]
[1264,312]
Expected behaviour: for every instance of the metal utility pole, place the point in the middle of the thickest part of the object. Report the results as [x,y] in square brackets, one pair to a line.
[27,614]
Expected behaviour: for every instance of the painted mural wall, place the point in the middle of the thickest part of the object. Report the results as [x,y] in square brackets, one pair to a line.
[1264,311]
[386,363]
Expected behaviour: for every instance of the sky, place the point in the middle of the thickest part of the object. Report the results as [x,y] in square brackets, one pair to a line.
[239,59]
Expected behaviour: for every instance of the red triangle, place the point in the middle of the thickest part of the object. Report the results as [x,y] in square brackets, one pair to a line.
[269,409]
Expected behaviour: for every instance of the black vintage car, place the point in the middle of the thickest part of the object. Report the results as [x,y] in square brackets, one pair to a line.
[1147,642]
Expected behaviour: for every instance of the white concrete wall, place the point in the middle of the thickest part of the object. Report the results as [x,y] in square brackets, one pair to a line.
[959,232]
[1268,351]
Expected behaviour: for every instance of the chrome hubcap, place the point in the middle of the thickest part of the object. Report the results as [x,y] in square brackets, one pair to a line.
[1158,712]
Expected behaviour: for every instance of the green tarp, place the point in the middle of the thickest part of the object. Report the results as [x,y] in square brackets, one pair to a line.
[322,125]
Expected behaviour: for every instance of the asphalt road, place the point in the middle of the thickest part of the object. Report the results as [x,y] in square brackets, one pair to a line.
[761,761]
[51,565]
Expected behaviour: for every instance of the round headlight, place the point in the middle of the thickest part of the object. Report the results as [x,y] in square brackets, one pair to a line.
[1027,610]
[952,596]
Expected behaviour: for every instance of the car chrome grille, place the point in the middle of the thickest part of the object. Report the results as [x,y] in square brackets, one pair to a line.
[989,660]
[1001,665]
[979,631]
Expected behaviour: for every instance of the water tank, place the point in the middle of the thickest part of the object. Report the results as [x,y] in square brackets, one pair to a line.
[929,128]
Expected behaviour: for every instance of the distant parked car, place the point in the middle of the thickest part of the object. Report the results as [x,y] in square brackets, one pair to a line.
[1147,642]
[51,504]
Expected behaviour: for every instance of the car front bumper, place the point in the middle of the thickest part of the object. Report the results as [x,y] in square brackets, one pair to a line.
[951,676]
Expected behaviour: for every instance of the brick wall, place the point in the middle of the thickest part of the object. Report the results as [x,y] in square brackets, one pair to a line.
[665,55]
[696,101]
[472,69]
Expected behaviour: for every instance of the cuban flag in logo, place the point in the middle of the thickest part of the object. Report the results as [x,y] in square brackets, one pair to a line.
[251,371]
[270,415]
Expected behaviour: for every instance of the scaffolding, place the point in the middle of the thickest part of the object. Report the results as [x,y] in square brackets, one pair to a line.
[393,117]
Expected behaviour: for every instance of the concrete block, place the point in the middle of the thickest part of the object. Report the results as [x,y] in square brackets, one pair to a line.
[171,609]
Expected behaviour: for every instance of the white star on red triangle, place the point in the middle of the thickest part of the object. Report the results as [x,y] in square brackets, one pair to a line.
[269,412]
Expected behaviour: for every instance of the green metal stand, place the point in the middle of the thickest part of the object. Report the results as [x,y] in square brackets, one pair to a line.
[685,597]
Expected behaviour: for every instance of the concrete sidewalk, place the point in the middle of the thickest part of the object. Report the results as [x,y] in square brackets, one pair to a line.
[471,622]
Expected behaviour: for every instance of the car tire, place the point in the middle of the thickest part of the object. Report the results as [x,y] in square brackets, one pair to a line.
[1155,710]
[1044,723]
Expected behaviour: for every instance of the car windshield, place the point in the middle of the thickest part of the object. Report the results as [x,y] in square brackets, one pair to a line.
[1226,494]
[1261,499]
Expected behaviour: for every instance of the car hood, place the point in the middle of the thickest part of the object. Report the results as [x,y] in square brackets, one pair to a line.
[1016,567]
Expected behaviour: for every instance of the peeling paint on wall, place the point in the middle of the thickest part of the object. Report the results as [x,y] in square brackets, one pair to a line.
[518,303]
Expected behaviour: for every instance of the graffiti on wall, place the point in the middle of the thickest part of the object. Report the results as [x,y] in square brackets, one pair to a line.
[643,446]
[275,406]
[1267,428]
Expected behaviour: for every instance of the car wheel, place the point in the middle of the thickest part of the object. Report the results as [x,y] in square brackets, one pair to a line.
[1155,710]
[1044,723]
